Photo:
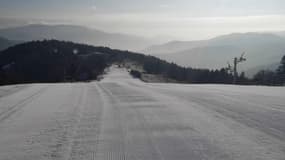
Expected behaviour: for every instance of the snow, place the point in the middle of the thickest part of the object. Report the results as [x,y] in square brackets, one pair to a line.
[124,118]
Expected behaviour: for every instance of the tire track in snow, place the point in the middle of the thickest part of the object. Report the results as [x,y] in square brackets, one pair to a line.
[9,90]
[22,103]
[86,135]
[119,143]
[113,141]
[78,136]
[66,129]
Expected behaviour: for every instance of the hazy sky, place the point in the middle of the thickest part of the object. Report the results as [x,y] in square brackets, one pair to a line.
[176,19]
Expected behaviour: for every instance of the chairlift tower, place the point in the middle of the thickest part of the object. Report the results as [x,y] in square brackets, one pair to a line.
[233,70]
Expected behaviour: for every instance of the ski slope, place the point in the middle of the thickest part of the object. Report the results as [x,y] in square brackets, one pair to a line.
[121,118]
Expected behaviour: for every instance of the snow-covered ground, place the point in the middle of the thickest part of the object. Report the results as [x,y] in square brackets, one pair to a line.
[121,118]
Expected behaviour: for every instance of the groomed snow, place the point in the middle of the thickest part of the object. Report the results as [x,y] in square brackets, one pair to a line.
[124,118]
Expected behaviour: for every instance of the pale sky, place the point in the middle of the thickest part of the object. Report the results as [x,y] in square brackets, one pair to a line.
[175,19]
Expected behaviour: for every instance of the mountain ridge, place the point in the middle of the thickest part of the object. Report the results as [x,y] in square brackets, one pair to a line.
[76,33]
[179,46]
[260,49]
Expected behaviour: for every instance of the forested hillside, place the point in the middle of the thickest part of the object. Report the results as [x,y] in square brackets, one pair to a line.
[59,61]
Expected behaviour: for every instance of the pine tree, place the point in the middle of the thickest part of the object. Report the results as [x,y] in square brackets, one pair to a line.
[281,71]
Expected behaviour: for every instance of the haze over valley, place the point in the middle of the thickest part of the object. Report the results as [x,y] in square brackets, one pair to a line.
[264,50]
[142,80]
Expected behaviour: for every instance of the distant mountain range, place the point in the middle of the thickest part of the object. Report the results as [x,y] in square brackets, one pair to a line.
[78,34]
[262,49]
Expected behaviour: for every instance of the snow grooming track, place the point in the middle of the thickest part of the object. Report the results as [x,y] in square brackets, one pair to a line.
[119,140]
[10,110]
[121,118]
[9,90]
[270,150]
[112,139]
[85,137]
[77,118]
[78,137]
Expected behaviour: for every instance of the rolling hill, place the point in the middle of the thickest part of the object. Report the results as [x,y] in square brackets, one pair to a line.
[60,61]
[74,33]
[261,49]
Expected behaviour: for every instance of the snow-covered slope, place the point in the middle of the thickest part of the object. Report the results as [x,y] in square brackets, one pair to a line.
[123,118]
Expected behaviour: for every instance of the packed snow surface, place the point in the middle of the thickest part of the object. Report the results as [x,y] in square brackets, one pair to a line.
[121,118]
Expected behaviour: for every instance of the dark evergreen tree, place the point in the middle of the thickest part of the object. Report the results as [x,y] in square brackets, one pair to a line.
[265,77]
[281,71]
[58,61]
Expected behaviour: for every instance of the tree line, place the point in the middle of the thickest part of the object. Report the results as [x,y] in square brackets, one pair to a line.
[267,77]
[60,61]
